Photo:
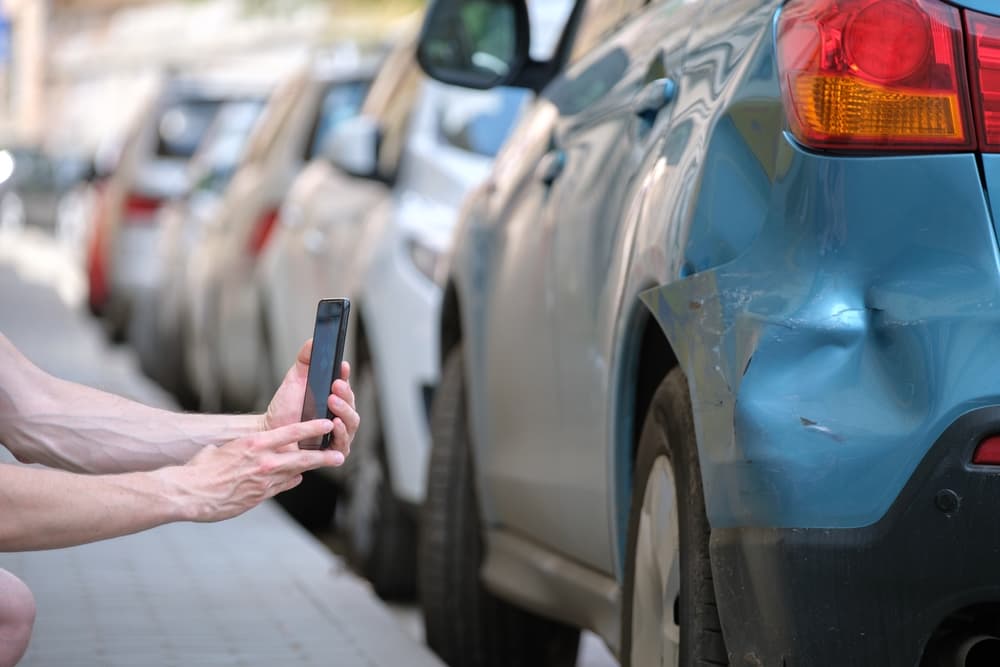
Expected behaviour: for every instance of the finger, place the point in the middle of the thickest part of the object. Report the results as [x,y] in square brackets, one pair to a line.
[345,371]
[341,439]
[347,414]
[305,352]
[343,390]
[287,484]
[308,459]
[279,437]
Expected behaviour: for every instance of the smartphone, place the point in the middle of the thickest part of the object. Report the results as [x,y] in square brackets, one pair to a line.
[324,364]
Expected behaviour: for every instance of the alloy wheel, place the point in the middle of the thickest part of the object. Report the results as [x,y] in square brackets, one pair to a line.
[655,623]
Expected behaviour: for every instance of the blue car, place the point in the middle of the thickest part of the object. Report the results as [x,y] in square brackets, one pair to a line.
[721,338]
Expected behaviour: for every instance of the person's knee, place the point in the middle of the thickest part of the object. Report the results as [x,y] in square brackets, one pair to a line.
[17,617]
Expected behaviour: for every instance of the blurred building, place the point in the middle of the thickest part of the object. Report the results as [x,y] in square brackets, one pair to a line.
[73,72]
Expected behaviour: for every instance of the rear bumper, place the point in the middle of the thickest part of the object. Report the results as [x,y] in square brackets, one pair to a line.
[873,595]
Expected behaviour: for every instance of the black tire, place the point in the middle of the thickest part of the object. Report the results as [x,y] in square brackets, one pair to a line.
[668,430]
[385,549]
[312,503]
[465,624]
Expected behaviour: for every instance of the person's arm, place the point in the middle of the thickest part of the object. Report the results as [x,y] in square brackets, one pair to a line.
[46,509]
[44,419]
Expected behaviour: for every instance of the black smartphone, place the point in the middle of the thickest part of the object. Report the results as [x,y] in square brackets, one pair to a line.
[324,364]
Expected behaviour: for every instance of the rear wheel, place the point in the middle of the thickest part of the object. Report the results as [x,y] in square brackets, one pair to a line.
[669,611]
[465,624]
[381,532]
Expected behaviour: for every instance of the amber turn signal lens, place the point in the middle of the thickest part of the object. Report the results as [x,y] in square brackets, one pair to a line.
[841,106]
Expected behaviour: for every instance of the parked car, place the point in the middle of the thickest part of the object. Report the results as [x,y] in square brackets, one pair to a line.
[155,328]
[223,338]
[718,377]
[149,168]
[34,184]
[383,258]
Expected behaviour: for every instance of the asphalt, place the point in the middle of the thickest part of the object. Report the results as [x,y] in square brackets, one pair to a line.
[256,590]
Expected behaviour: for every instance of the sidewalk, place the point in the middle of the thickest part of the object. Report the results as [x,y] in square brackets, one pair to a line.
[254,591]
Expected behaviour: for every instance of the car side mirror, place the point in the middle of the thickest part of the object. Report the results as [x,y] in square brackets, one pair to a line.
[475,43]
[353,146]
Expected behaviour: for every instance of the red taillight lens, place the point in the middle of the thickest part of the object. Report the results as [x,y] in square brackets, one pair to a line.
[96,255]
[874,75]
[984,57]
[140,209]
[262,232]
[988,452]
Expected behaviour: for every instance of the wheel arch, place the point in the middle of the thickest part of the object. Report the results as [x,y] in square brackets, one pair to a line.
[646,358]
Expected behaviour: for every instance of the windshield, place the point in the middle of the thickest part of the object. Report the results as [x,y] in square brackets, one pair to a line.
[477,121]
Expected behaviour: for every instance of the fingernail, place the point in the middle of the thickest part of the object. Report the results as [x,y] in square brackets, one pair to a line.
[338,459]
[328,426]
[338,401]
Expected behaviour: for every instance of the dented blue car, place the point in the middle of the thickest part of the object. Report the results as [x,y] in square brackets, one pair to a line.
[721,338]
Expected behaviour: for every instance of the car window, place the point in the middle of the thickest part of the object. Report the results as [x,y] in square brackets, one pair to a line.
[478,121]
[341,101]
[182,125]
[214,163]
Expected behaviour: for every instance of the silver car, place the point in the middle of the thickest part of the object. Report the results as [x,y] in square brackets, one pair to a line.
[149,168]
[383,256]
[226,352]
[155,326]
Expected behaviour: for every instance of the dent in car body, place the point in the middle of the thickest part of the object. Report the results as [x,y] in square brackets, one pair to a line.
[838,345]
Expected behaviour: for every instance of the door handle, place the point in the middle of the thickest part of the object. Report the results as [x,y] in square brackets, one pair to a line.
[551,166]
[654,96]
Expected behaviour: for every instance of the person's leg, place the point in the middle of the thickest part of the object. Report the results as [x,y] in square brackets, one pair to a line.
[17,616]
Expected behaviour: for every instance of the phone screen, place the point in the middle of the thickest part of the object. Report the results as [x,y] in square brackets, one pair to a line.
[327,351]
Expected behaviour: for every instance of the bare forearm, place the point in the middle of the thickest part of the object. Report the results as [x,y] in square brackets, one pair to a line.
[47,509]
[65,425]
[78,428]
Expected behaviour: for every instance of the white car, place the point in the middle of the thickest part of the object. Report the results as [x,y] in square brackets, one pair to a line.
[383,258]
[225,352]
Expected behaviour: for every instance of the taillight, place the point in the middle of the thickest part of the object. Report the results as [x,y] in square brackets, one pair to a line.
[96,255]
[984,63]
[140,209]
[864,75]
[262,232]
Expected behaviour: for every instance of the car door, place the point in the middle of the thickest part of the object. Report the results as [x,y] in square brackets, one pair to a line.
[612,104]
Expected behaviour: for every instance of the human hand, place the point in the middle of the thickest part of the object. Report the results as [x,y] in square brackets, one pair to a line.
[286,406]
[223,482]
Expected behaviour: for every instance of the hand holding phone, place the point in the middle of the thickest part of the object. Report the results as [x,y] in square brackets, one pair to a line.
[327,356]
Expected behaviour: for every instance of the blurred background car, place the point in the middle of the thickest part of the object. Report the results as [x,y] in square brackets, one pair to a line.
[35,185]
[383,258]
[226,352]
[155,329]
[149,168]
